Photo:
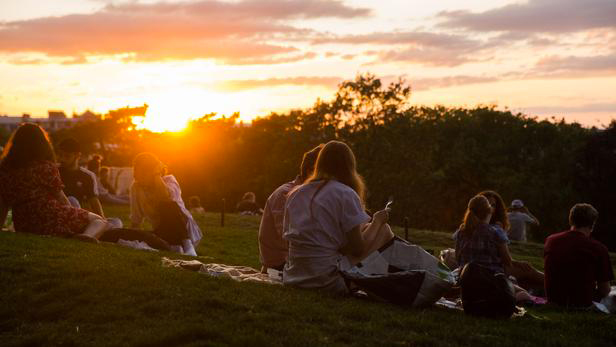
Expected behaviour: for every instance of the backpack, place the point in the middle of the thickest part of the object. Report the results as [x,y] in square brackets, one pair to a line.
[486,293]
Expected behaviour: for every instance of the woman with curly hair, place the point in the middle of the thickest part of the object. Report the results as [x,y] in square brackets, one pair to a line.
[32,188]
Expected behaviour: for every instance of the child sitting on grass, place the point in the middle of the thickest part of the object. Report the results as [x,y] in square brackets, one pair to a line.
[486,244]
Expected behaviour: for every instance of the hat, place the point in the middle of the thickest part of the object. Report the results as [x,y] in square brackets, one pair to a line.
[517,203]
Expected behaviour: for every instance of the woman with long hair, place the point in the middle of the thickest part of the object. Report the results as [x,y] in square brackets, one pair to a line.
[326,224]
[157,197]
[479,241]
[32,188]
[499,215]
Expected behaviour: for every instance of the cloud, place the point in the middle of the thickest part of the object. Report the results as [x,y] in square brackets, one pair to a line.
[232,32]
[449,81]
[427,48]
[606,107]
[240,85]
[573,66]
[547,16]
[419,38]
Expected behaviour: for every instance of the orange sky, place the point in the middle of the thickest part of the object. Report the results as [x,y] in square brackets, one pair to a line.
[187,58]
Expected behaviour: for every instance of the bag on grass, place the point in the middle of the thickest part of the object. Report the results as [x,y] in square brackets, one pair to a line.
[486,293]
[403,274]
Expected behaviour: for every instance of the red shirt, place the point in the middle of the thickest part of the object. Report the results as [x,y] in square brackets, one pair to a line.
[574,263]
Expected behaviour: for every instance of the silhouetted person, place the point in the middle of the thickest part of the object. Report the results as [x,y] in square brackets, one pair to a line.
[577,268]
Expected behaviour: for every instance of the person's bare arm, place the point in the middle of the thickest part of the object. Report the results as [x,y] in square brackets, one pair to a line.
[535,220]
[603,288]
[4,211]
[95,206]
[503,250]
[355,245]
[60,196]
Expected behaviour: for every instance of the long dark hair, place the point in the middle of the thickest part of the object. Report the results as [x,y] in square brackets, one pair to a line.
[478,208]
[27,145]
[337,161]
[499,216]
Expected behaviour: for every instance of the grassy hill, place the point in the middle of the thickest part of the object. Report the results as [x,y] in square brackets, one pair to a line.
[65,292]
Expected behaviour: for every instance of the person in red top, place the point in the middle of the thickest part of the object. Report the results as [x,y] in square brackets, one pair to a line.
[577,268]
[30,185]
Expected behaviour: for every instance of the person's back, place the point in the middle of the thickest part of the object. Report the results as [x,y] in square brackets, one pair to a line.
[481,246]
[577,268]
[517,222]
[574,263]
[316,228]
[273,249]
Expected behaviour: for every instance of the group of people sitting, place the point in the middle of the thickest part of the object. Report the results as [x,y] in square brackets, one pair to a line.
[46,198]
[316,225]
[311,227]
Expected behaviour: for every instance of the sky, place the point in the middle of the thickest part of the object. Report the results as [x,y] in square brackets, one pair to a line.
[544,58]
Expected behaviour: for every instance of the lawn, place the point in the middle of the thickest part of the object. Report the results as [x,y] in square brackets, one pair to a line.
[64,292]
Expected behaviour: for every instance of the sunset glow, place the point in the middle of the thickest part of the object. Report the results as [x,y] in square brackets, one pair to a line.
[189,58]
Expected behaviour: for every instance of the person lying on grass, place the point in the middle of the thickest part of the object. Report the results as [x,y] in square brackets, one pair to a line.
[326,225]
[157,196]
[486,244]
[578,270]
[273,249]
[32,188]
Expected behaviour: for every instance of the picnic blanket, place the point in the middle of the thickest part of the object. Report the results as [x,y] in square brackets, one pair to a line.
[238,273]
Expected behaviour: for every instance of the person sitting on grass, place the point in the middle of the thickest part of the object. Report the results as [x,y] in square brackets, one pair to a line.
[106,192]
[248,205]
[32,188]
[518,216]
[486,244]
[273,249]
[527,276]
[194,206]
[157,197]
[326,225]
[79,183]
[577,268]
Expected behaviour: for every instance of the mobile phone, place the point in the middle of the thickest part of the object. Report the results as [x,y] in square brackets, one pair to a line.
[389,203]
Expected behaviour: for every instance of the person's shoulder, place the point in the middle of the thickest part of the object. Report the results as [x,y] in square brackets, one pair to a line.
[491,228]
[557,235]
[283,189]
[338,187]
[170,179]
[87,173]
[598,245]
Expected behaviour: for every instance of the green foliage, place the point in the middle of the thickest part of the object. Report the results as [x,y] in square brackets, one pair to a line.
[432,159]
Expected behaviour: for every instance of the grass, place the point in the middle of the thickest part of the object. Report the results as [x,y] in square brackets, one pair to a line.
[63,292]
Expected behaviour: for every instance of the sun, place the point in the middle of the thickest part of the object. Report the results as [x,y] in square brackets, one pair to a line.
[171,111]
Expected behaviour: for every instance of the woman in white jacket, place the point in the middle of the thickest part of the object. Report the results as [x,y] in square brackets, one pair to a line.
[157,197]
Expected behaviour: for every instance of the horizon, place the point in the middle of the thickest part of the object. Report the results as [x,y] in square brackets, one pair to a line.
[189,58]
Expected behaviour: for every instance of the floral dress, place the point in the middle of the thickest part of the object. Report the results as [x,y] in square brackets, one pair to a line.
[31,193]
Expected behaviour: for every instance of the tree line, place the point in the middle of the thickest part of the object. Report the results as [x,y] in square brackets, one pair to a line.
[431,159]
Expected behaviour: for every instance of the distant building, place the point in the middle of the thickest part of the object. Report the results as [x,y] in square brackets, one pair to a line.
[55,120]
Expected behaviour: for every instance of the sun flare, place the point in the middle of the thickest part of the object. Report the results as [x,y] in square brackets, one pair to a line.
[172,111]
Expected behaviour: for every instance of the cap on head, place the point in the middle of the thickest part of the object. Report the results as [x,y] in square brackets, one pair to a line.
[517,203]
